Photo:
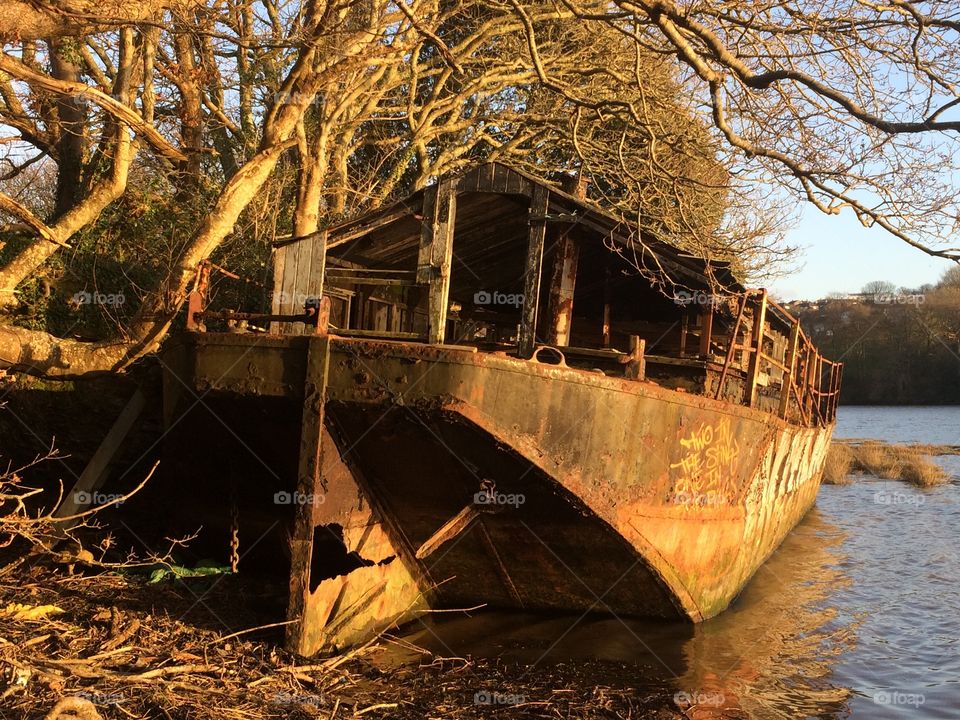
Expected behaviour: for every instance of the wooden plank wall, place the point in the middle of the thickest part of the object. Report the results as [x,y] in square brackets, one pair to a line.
[297,274]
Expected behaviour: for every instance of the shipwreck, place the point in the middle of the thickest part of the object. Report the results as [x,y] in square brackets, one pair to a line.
[492,393]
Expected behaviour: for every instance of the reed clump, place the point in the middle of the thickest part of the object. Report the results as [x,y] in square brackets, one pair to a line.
[880,460]
[839,465]
[923,472]
[884,460]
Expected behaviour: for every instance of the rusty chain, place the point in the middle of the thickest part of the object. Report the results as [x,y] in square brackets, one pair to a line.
[234,532]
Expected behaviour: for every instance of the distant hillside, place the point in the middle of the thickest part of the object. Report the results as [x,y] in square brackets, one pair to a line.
[897,346]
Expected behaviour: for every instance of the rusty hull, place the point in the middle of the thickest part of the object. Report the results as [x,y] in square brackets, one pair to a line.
[636,499]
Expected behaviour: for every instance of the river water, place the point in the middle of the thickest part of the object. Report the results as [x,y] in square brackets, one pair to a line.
[856,615]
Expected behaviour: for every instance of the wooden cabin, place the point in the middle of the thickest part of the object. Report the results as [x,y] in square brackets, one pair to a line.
[456,262]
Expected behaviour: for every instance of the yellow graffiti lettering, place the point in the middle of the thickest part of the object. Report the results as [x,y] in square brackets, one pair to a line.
[708,466]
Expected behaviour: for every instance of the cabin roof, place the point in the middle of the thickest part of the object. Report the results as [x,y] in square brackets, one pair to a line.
[492,225]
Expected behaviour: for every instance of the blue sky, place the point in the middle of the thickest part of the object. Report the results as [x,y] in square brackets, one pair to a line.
[840,255]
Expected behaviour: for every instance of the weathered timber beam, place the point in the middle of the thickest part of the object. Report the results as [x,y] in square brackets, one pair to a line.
[388,334]
[732,347]
[563,283]
[533,270]
[495,178]
[454,527]
[706,329]
[607,307]
[436,253]
[684,330]
[358,228]
[500,565]
[309,485]
[94,474]
[636,366]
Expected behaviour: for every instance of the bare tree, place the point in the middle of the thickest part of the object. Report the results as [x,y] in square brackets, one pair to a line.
[950,278]
[879,287]
[675,111]
[851,104]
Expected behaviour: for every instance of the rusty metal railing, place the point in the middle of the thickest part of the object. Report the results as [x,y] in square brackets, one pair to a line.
[809,381]
[809,386]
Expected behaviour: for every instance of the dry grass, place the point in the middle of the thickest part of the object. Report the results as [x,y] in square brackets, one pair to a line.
[935,449]
[920,448]
[878,459]
[890,462]
[839,464]
[923,472]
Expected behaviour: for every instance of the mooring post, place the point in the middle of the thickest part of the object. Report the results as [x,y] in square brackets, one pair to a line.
[756,349]
[539,201]
[436,253]
[310,483]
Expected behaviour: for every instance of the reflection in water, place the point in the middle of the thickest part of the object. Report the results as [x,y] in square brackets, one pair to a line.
[771,653]
[854,615]
[769,656]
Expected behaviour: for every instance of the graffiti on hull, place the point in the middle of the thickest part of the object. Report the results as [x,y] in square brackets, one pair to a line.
[707,470]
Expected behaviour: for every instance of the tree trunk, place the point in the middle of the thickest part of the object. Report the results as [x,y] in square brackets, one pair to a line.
[71,130]
[40,353]
[80,215]
[80,212]
[191,114]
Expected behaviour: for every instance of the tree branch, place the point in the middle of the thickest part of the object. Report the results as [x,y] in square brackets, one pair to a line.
[117,109]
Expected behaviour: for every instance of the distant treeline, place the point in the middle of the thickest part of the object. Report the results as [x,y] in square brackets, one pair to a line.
[898,346]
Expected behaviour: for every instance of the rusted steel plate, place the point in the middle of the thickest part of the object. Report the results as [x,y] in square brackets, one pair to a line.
[698,491]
